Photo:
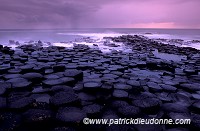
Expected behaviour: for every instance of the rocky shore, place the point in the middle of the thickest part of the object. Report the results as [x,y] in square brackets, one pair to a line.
[54,88]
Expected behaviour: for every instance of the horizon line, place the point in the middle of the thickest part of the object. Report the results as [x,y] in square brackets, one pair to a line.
[97,28]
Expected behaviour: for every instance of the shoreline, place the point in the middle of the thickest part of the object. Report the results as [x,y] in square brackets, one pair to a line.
[40,85]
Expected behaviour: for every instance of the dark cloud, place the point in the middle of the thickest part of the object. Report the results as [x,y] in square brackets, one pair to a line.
[97,13]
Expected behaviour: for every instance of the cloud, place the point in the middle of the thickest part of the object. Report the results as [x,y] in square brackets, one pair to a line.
[96,13]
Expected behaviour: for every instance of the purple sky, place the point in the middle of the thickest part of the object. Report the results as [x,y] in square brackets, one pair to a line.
[49,14]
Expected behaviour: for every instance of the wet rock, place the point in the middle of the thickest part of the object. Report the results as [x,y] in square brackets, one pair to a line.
[70,115]
[129,111]
[64,98]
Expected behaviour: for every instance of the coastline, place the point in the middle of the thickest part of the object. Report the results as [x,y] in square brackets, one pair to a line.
[40,84]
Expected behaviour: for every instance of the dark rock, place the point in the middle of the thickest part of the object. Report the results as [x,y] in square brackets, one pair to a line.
[134,83]
[20,84]
[14,71]
[175,116]
[34,77]
[2,90]
[86,97]
[154,87]
[174,107]
[38,116]
[10,121]
[118,104]
[62,88]
[64,129]
[3,103]
[26,68]
[22,103]
[191,72]
[148,127]
[168,88]
[59,68]
[92,85]
[165,97]
[196,96]
[195,122]
[196,107]
[190,87]
[76,74]
[122,86]
[70,115]
[61,81]
[51,76]
[6,85]
[39,90]
[148,105]
[64,98]
[136,87]
[11,76]
[92,110]
[110,76]
[44,98]
[129,111]
[120,94]
[107,86]
[178,129]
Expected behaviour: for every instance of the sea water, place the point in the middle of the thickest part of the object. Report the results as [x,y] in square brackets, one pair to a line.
[67,37]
